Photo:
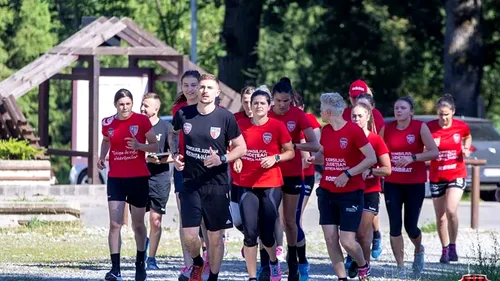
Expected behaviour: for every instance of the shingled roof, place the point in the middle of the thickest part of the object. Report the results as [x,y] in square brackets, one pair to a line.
[87,41]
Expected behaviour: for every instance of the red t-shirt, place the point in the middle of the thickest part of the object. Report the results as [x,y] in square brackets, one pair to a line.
[309,171]
[377,117]
[341,150]
[450,163]
[295,121]
[181,135]
[373,183]
[262,141]
[124,162]
[235,176]
[405,143]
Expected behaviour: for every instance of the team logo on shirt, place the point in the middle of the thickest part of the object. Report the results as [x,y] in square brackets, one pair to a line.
[187,128]
[290,125]
[410,138]
[456,138]
[107,121]
[110,132]
[214,132]
[343,143]
[267,137]
[133,129]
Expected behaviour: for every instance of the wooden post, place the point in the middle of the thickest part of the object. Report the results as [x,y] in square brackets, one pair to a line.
[94,70]
[474,216]
[125,215]
[43,113]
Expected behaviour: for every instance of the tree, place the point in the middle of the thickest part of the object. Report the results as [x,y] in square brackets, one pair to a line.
[463,55]
[240,35]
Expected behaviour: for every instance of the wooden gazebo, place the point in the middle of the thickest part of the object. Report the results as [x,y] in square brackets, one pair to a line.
[86,45]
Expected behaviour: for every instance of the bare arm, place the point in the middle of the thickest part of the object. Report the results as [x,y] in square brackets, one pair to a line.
[104,148]
[467,144]
[319,157]
[370,160]
[238,149]
[385,166]
[311,144]
[432,151]
[152,145]
[288,153]
[173,141]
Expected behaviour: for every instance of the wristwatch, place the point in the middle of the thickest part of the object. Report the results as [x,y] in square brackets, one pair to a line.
[346,172]
[277,158]
[223,159]
[414,157]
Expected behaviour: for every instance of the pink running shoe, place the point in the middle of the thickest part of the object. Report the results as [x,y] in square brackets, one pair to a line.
[280,254]
[275,272]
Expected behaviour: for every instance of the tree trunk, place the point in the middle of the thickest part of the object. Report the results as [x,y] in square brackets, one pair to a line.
[240,33]
[463,56]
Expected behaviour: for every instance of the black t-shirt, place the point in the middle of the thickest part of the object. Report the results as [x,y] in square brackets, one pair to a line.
[201,132]
[161,129]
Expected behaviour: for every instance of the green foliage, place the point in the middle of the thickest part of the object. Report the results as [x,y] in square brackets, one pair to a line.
[13,149]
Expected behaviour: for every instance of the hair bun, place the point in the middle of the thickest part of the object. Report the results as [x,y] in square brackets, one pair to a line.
[286,80]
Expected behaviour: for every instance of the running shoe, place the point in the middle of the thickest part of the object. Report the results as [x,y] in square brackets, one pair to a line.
[206,271]
[280,254]
[264,274]
[363,273]
[151,264]
[196,273]
[452,254]
[304,271]
[376,247]
[204,255]
[140,271]
[348,261]
[275,272]
[400,273]
[113,276]
[419,261]
[185,273]
[352,271]
[445,255]
[293,272]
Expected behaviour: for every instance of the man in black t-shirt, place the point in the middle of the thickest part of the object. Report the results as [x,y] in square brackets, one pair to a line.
[159,181]
[208,129]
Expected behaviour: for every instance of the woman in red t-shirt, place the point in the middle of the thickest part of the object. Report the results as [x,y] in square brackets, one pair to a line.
[363,117]
[268,143]
[346,154]
[357,88]
[124,137]
[296,122]
[406,138]
[447,173]
[190,85]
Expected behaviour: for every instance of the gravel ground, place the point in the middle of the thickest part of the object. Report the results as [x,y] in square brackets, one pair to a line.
[233,265]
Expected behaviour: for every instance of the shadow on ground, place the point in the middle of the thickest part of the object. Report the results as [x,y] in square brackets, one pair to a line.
[232,269]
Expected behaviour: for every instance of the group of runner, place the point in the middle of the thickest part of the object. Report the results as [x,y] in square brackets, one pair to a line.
[255,170]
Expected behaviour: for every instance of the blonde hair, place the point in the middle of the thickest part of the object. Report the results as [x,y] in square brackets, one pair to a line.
[151,95]
[334,101]
[371,121]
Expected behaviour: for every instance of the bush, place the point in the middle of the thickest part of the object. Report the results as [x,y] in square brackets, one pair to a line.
[13,149]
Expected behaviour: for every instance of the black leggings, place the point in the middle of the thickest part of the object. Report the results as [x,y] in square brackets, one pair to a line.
[259,211]
[412,197]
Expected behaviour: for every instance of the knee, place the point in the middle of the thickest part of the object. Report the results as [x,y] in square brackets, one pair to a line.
[250,240]
[289,222]
[442,220]
[139,226]
[215,238]
[115,226]
[156,223]
[190,237]
[451,213]
[267,238]
[395,228]
[348,241]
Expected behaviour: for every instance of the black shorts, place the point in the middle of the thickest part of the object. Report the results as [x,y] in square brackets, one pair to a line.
[292,185]
[438,189]
[178,180]
[342,209]
[371,202]
[134,191]
[236,192]
[210,203]
[309,185]
[159,191]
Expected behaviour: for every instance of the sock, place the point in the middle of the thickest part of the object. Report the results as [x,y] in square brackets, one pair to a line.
[274,262]
[376,234]
[301,253]
[213,276]
[264,258]
[198,261]
[292,254]
[204,248]
[140,256]
[252,279]
[452,246]
[366,265]
[343,279]
[115,262]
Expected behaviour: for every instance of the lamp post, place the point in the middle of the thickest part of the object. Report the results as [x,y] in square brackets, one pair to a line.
[193,31]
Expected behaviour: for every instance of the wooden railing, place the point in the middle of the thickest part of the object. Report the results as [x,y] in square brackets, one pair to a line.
[475,189]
